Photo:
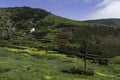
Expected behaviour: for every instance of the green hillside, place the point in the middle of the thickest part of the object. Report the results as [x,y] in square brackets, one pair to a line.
[16,23]
[38,45]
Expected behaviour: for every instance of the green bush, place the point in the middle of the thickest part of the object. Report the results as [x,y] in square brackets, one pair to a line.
[5,43]
[80,71]
[103,62]
[115,60]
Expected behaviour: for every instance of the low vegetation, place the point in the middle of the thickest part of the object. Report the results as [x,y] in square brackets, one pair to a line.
[51,66]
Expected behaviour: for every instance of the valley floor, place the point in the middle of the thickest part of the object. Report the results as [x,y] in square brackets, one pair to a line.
[31,64]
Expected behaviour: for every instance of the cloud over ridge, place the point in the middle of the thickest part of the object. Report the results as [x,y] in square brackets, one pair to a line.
[106,9]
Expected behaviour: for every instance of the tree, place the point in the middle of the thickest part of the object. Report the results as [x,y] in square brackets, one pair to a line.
[83,49]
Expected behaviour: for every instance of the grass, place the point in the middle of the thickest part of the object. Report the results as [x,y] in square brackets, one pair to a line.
[20,64]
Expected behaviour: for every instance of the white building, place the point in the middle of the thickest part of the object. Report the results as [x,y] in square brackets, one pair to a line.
[32,30]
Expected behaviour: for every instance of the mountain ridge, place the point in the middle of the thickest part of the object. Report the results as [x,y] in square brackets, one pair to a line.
[110,22]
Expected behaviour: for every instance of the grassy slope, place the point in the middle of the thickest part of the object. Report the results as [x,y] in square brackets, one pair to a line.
[17,64]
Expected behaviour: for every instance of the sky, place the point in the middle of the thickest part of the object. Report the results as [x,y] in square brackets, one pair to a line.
[72,9]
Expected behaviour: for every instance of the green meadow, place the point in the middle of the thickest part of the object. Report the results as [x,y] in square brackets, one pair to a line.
[31,64]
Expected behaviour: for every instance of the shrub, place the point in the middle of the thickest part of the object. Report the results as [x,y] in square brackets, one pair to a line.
[103,61]
[115,60]
[4,43]
[80,71]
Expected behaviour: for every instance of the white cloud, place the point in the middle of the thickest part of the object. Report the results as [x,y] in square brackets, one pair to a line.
[106,9]
[104,3]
